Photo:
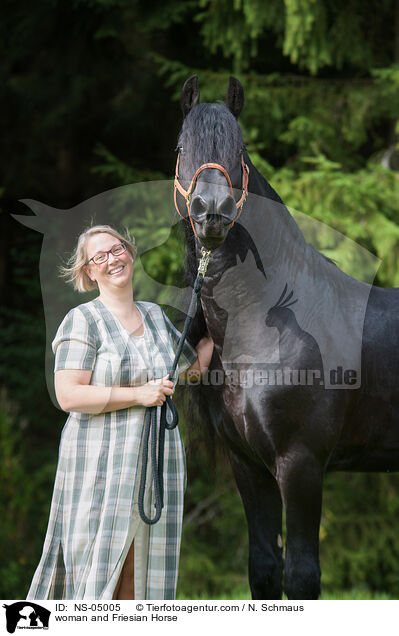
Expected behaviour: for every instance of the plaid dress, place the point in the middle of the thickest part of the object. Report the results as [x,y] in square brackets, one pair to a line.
[94,509]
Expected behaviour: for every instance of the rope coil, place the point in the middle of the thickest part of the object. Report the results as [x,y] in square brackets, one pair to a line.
[151,415]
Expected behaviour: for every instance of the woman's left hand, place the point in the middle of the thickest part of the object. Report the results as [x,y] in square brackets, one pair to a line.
[204,351]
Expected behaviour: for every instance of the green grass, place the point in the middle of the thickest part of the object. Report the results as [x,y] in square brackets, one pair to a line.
[242,593]
[356,595]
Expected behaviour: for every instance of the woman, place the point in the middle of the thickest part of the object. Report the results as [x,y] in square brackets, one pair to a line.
[112,359]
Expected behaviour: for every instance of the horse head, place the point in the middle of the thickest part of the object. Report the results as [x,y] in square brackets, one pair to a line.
[211,174]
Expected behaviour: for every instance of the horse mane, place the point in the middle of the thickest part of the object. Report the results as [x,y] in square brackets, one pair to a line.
[210,133]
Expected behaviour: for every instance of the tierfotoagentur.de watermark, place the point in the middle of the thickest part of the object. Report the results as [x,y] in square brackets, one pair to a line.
[271,377]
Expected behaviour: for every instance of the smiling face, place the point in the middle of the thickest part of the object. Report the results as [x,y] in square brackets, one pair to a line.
[115,273]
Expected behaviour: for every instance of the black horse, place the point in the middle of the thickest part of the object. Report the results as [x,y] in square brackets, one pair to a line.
[282,434]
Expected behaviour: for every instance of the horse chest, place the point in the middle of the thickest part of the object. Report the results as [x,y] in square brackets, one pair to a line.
[215,318]
[255,424]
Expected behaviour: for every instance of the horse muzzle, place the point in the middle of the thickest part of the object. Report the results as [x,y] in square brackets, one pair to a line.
[205,203]
[211,229]
[212,217]
[213,209]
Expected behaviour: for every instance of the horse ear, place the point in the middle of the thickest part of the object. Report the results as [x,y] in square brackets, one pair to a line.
[190,94]
[235,97]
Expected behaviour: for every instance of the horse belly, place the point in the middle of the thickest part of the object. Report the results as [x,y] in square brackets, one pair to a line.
[370,437]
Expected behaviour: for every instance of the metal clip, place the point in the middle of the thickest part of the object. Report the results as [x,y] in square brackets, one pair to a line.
[203,264]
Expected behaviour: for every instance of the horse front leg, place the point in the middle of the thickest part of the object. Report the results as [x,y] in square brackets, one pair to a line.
[300,477]
[262,503]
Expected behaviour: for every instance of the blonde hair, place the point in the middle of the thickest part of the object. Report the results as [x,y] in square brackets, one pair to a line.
[73,271]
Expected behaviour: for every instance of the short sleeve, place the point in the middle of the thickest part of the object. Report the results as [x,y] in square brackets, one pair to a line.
[74,344]
[188,355]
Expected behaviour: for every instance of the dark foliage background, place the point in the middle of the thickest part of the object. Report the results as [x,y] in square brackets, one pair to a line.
[89,101]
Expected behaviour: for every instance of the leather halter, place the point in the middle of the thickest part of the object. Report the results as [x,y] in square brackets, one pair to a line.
[187,193]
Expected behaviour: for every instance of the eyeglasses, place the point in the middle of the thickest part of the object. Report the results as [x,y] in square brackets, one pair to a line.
[102,257]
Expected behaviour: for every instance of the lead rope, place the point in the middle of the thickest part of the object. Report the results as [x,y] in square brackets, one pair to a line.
[150,423]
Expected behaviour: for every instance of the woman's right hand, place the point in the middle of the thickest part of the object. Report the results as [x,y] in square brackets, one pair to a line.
[155,391]
[75,393]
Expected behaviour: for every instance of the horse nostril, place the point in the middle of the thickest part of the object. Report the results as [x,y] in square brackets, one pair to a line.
[198,205]
[227,207]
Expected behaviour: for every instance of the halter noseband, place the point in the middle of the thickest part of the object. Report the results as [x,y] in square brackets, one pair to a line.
[187,193]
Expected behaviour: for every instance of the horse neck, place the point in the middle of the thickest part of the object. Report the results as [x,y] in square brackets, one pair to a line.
[331,275]
[257,184]
[284,232]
